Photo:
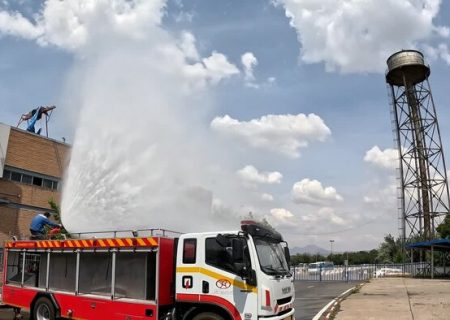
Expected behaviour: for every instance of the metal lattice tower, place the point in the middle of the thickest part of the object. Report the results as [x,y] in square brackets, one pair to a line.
[424,190]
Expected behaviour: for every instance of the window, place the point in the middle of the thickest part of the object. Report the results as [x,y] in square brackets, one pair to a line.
[30,178]
[189,250]
[14,267]
[15,176]
[27,179]
[62,271]
[7,174]
[271,257]
[131,272]
[217,256]
[37,181]
[48,184]
[95,273]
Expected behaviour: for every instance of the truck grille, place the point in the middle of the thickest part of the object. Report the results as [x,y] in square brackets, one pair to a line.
[284,300]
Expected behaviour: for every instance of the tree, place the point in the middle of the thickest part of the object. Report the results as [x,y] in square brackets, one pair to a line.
[390,250]
[444,228]
[57,217]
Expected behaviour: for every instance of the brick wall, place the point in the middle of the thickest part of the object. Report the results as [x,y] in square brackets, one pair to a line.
[8,225]
[37,154]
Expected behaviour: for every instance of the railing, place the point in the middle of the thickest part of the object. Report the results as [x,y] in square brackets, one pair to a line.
[366,271]
[127,233]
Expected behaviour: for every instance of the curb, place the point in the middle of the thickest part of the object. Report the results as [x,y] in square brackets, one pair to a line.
[331,307]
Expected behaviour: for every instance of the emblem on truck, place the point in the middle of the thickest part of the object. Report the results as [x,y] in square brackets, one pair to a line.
[223,284]
[286,290]
[187,282]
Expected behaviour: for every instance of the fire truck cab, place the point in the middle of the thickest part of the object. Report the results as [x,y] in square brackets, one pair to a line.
[197,276]
[234,275]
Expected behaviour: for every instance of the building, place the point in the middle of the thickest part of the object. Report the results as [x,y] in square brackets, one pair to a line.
[31,170]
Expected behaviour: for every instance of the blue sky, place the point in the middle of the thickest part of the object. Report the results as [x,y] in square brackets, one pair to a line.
[304,57]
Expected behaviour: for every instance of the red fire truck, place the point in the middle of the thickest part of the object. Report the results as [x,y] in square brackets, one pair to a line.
[232,275]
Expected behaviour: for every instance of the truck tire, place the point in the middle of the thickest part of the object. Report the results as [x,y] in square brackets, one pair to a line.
[44,310]
[208,316]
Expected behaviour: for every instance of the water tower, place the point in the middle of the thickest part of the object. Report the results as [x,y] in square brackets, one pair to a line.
[424,191]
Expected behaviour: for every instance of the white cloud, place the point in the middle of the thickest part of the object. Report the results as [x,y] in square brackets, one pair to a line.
[284,134]
[324,216]
[281,217]
[267,197]
[210,71]
[312,192]
[250,174]
[15,24]
[358,36]
[218,66]
[383,196]
[249,61]
[188,46]
[73,24]
[386,159]
[441,51]
[281,213]
[83,27]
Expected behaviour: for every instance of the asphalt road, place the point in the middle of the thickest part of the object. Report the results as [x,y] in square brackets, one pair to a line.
[7,314]
[310,298]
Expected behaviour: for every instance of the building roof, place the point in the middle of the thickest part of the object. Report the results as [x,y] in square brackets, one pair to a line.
[437,244]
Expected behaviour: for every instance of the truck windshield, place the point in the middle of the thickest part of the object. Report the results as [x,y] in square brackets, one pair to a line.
[271,257]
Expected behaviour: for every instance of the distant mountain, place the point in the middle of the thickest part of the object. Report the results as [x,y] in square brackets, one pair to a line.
[311,249]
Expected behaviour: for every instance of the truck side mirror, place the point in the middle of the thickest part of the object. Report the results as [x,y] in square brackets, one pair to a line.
[287,255]
[238,250]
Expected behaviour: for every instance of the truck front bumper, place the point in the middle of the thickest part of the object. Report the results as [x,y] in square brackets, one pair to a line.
[287,316]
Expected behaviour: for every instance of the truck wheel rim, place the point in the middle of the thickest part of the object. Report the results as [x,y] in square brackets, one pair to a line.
[43,312]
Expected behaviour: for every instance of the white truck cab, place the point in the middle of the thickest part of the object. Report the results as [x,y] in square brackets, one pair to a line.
[234,275]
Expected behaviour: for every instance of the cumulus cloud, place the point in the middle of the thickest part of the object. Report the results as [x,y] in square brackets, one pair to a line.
[281,213]
[250,174]
[386,159]
[312,192]
[74,24]
[324,215]
[281,217]
[441,51]
[219,67]
[188,46]
[358,36]
[249,61]
[83,27]
[15,24]
[284,134]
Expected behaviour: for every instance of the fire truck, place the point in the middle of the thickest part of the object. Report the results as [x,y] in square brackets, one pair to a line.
[233,275]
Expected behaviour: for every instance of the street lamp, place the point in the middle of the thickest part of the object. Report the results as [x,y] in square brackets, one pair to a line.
[331,247]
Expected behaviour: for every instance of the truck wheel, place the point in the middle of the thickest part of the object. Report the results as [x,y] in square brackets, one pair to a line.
[44,310]
[208,316]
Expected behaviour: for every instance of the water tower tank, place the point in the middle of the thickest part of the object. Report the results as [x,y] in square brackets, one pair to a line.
[406,67]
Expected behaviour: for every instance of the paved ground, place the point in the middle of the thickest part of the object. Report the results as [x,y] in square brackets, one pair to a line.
[312,296]
[399,299]
[6,314]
